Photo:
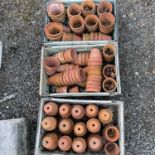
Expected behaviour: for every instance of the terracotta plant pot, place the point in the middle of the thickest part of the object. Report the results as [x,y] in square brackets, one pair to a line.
[49,123]
[74,89]
[56,11]
[80,129]
[78,111]
[65,67]
[91,23]
[50,65]
[65,143]
[111,133]
[106,23]
[109,85]
[105,116]
[73,10]
[66,126]
[104,6]
[76,24]
[66,29]
[54,31]
[82,59]
[66,56]
[50,141]
[67,36]
[77,37]
[109,71]
[109,53]
[111,149]
[95,142]
[51,109]
[93,125]
[88,7]
[61,89]
[65,110]
[79,145]
[91,110]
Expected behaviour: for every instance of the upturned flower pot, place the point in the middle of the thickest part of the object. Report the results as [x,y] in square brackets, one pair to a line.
[80,129]
[111,149]
[88,7]
[50,141]
[51,109]
[65,110]
[111,133]
[66,126]
[92,110]
[91,23]
[95,142]
[56,11]
[73,10]
[93,125]
[76,24]
[109,71]
[79,145]
[106,22]
[54,31]
[78,111]
[65,143]
[82,59]
[104,6]
[109,53]
[49,123]
[105,116]
[109,85]
[50,65]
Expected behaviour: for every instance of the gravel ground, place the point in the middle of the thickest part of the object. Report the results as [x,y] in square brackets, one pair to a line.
[20,31]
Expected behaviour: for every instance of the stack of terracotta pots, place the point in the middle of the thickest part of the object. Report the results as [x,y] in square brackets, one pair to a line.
[71,71]
[91,126]
[76,21]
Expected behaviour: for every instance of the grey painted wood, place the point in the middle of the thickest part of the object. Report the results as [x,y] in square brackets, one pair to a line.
[14,136]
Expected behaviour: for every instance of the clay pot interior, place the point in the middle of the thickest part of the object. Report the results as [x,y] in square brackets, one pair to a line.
[69,131]
[73,10]
[91,21]
[109,85]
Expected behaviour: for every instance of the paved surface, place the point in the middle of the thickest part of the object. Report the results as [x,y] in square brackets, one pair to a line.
[20,31]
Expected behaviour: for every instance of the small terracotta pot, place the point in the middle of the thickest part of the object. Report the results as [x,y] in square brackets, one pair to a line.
[50,65]
[109,85]
[77,37]
[67,36]
[106,23]
[70,55]
[93,125]
[76,24]
[73,10]
[109,71]
[66,29]
[65,110]
[54,31]
[65,143]
[111,133]
[66,126]
[104,6]
[50,141]
[56,11]
[95,142]
[91,23]
[95,57]
[94,70]
[92,110]
[61,89]
[65,67]
[109,53]
[79,145]
[111,149]
[82,59]
[51,109]
[78,112]
[105,116]
[49,123]
[88,7]
[80,129]
[55,80]
[74,89]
